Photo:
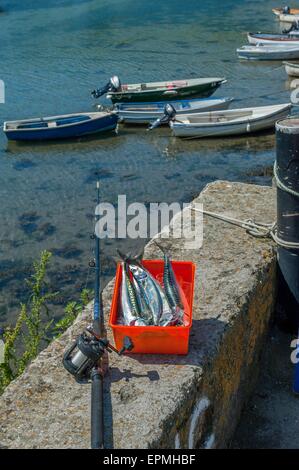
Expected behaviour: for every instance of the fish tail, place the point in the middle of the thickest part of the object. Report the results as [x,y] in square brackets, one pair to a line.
[130,258]
[164,251]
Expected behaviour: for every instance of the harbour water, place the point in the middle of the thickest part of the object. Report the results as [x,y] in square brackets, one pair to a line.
[52,55]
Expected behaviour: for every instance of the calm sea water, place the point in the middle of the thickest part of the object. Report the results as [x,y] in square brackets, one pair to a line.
[52,55]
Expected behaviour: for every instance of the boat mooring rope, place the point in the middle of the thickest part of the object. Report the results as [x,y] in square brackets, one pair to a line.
[281,185]
[258,229]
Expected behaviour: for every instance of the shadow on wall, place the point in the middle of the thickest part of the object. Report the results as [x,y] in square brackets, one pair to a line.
[198,430]
[204,337]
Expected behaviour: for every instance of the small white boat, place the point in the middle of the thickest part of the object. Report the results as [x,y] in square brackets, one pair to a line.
[230,122]
[291,69]
[144,113]
[273,39]
[265,52]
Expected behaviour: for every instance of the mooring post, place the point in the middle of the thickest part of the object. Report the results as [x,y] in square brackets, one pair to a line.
[287,179]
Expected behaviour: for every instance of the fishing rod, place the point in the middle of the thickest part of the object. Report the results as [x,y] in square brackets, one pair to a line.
[97,388]
[84,358]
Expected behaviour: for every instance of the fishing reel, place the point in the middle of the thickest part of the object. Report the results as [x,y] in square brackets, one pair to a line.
[86,351]
[169,115]
[113,85]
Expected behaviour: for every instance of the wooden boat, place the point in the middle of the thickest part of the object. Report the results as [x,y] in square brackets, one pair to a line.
[265,52]
[291,69]
[165,91]
[144,113]
[273,39]
[60,127]
[230,122]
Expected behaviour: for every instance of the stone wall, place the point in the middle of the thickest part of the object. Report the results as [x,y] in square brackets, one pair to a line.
[154,401]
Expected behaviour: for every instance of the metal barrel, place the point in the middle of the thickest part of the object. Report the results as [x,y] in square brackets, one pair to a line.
[287,180]
[97,412]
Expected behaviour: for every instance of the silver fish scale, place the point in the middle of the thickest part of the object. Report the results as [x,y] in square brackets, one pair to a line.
[126,307]
[150,290]
[145,312]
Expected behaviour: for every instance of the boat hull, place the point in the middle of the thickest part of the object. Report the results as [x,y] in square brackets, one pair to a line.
[199,91]
[292,69]
[143,116]
[272,39]
[228,128]
[93,126]
[287,18]
[276,53]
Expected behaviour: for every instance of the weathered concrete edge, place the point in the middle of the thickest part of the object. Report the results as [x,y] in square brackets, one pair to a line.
[225,382]
[209,396]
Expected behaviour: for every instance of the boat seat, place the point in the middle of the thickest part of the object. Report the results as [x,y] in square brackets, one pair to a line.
[72,120]
[31,125]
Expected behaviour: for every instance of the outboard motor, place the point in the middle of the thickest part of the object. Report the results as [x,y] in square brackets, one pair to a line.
[113,85]
[286,10]
[294,27]
[169,115]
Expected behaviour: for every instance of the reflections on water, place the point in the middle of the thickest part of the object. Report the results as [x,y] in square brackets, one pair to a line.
[66,48]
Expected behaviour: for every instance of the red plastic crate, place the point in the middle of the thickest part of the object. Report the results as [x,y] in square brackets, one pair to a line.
[157,339]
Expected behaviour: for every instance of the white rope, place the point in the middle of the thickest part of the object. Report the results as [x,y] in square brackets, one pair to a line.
[259,229]
[256,229]
[281,185]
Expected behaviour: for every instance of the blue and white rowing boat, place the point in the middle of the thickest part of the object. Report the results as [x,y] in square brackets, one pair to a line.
[144,113]
[60,127]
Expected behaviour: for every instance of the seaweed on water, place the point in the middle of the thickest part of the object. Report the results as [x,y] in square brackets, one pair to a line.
[23,165]
[12,272]
[80,235]
[29,217]
[173,176]
[44,231]
[67,251]
[97,173]
[260,171]
[27,222]
[69,278]
[129,177]
[29,228]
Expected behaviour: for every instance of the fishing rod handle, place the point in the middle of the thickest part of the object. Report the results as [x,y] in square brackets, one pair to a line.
[97,410]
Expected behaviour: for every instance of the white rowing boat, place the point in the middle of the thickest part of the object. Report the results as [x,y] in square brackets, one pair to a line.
[230,122]
[144,113]
[273,39]
[291,69]
[265,52]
